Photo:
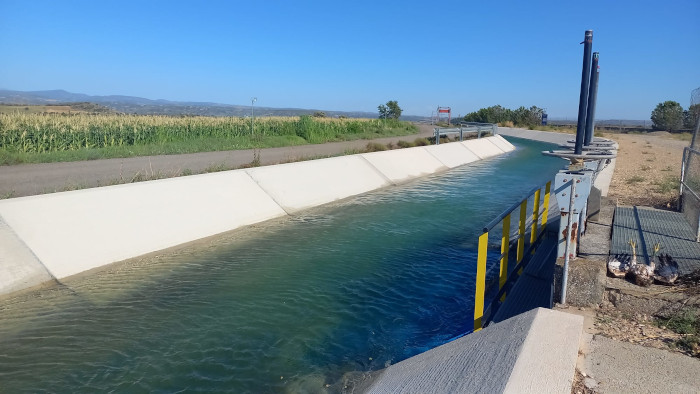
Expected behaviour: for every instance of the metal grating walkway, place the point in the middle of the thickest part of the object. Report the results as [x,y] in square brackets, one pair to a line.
[648,226]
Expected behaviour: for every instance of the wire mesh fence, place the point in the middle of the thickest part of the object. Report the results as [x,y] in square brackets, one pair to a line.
[690,174]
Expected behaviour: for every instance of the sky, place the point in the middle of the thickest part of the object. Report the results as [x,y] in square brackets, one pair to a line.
[355,55]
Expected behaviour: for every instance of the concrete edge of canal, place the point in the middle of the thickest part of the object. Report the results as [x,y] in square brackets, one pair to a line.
[50,237]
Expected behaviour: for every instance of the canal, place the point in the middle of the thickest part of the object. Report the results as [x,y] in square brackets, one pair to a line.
[290,305]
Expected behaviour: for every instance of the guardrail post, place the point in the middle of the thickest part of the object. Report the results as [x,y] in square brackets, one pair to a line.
[535,218]
[505,248]
[545,210]
[521,233]
[480,290]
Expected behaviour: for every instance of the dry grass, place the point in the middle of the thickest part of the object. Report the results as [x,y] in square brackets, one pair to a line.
[647,170]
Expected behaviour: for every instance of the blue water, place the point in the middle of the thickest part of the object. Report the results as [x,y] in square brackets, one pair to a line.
[292,305]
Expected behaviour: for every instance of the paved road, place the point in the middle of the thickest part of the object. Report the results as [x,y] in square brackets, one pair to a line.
[32,179]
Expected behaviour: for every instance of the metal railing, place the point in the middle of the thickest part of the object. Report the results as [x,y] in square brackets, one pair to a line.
[539,222]
[690,189]
[465,128]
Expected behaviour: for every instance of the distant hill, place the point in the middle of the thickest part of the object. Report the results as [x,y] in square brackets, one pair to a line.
[143,106]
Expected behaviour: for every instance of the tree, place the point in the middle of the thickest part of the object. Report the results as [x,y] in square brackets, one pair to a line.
[691,116]
[667,116]
[389,111]
[319,114]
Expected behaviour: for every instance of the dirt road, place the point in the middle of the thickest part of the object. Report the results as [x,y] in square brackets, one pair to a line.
[32,179]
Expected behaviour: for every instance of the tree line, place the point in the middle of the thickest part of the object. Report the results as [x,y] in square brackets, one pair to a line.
[670,116]
[521,117]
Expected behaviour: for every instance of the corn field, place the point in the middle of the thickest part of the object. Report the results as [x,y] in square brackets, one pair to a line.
[40,133]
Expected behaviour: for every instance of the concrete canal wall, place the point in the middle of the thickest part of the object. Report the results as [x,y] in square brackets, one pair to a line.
[54,236]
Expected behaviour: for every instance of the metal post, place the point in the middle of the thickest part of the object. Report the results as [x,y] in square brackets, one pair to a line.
[565,276]
[535,218]
[252,115]
[545,210]
[480,289]
[583,98]
[505,248]
[592,94]
[437,136]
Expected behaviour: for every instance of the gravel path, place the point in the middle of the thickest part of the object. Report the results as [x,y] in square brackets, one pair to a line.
[31,179]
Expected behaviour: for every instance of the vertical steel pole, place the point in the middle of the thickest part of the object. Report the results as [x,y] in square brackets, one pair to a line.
[565,276]
[545,211]
[592,96]
[535,218]
[480,289]
[583,98]
[505,248]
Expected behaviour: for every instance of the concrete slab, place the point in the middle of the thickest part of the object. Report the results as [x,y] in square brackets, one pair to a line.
[623,367]
[76,231]
[297,186]
[602,181]
[535,135]
[19,268]
[547,361]
[502,143]
[534,352]
[483,147]
[402,165]
[452,155]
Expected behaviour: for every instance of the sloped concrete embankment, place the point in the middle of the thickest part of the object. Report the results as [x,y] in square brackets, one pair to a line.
[534,352]
[54,236]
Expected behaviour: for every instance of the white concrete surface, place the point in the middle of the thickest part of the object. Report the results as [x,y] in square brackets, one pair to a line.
[54,236]
[623,367]
[536,135]
[76,231]
[534,352]
[547,360]
[401,165]
[602,181]
[19,268]
[306,184]
[452,155]
[502,143]
[484,147]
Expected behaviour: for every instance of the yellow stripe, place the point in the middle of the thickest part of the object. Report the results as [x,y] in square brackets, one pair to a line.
[535,218]
[480,281]
[505,243]
[545,211]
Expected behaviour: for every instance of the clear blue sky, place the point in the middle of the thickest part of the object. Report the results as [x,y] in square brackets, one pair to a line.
[356,55]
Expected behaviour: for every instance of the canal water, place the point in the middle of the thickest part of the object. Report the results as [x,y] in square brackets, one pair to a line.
[291,305]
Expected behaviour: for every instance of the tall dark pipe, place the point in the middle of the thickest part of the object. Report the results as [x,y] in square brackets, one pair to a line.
[583,99]
[592,98]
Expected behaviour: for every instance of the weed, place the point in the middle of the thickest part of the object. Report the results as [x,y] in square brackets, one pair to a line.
[687,323]
[645,152]
[645,168]
[668,184]
[421,142]
[374,147]
[635,179]
[186,172]
[7,195]
[218,167]
[404,144]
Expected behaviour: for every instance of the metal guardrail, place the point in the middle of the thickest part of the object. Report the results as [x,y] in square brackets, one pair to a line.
[465,128]
[537,230]
[690,189]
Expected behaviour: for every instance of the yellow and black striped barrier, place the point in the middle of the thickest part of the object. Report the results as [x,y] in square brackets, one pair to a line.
[536,231]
